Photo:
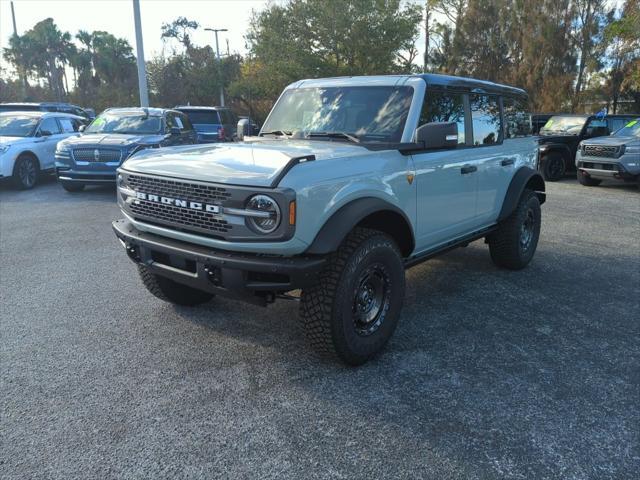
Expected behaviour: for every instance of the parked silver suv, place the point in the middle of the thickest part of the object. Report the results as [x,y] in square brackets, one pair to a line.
[616,157]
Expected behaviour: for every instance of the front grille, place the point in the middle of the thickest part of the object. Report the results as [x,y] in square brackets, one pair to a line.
[194,192]
[97,154]
[600,151]
[199,220]
[180,216]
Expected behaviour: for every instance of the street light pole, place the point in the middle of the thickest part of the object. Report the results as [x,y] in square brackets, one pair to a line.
[142,73]
[216,30]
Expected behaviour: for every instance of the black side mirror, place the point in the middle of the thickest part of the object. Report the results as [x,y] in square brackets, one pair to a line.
[438,135]
[175,131]
[44,133]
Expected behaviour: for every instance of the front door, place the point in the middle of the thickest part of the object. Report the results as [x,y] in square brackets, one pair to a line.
[447,180]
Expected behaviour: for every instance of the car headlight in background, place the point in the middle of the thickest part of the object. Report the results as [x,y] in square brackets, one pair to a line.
[62,151]
[633,150]
[267,213]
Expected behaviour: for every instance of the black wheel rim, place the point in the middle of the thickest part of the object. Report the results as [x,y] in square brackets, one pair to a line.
[27,172]
[556,168]
[372,295]
[527,230]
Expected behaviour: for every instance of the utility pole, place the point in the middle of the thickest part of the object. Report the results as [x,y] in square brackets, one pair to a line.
[142,73]
[426,35]
[216,30]
[23,77]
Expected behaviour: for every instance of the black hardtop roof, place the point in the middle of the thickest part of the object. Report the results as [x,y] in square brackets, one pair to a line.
[470,84]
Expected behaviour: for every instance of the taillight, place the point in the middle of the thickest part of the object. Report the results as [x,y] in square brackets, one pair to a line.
[221,133]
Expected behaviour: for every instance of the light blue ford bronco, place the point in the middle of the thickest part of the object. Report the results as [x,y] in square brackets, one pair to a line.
[350,182]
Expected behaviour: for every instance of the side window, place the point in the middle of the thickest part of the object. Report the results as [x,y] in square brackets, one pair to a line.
[50,126]
[69,125]
[517,118]
[444,107]
[184,123]
[617,123]
[171,122]
[597,127]
[485,117]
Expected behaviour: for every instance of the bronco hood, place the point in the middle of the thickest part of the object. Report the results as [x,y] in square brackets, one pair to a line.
[256,164]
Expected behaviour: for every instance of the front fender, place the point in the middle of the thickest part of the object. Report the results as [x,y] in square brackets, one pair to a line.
[345,218]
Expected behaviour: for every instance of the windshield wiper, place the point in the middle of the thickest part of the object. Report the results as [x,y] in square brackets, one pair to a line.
[346,136]
[278,133]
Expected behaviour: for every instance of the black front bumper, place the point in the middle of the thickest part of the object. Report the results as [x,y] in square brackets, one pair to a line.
[250,277]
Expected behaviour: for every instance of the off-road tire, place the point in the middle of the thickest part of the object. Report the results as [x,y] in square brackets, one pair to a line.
[72,186]
[506,243]
[329,309]
[170,291]
[26,171]
[554,166]
[587,181]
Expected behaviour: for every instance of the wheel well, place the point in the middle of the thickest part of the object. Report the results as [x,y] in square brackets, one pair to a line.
[536,183]
[28,153]
[563,153]
[394,225]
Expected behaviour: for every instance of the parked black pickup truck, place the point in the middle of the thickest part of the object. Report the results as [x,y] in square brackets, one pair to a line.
[560,136]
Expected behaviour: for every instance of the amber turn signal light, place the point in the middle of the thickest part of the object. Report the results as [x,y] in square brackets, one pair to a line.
[292,213]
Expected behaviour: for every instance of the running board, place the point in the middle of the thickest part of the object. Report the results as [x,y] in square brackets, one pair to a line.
[459,242]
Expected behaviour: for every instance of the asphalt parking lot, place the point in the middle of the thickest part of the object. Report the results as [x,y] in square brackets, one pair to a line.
[491,374]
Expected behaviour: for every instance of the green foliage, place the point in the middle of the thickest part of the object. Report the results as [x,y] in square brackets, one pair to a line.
[318,38]
[568,54]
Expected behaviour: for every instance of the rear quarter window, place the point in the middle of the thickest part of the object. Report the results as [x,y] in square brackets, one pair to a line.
[517,118]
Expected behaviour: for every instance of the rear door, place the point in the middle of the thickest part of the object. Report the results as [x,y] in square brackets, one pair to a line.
[49,134]
[446,180]
[496,163]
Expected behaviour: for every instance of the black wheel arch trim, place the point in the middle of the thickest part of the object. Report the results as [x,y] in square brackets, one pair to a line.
[560,148]
[347,217]
[523,178]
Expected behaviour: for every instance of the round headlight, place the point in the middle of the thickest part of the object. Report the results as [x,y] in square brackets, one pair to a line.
[267,217]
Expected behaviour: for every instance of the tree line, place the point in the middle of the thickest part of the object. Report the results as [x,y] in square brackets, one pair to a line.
[570,55]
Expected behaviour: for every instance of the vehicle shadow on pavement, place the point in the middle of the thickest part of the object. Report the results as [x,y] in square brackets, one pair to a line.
[487,369]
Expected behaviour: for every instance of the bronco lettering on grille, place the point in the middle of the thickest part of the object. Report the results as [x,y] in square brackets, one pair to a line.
[178,202]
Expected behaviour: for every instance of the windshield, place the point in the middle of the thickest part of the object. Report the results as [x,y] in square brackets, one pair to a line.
[375,114]
[135,124]
[564,125]
[17,126]
[202,117]
[631,129]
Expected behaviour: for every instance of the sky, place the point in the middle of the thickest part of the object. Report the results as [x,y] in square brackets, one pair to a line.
[116,17]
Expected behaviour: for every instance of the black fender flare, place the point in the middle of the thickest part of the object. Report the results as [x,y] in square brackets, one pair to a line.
[524,177]
[338,226]
[560,148]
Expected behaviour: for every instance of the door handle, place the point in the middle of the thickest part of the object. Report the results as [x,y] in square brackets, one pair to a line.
[507,161]
[468,169]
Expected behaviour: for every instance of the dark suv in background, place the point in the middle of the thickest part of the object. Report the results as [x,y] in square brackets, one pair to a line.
[114,136]
[61,107]
[213,124]
[560,136]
